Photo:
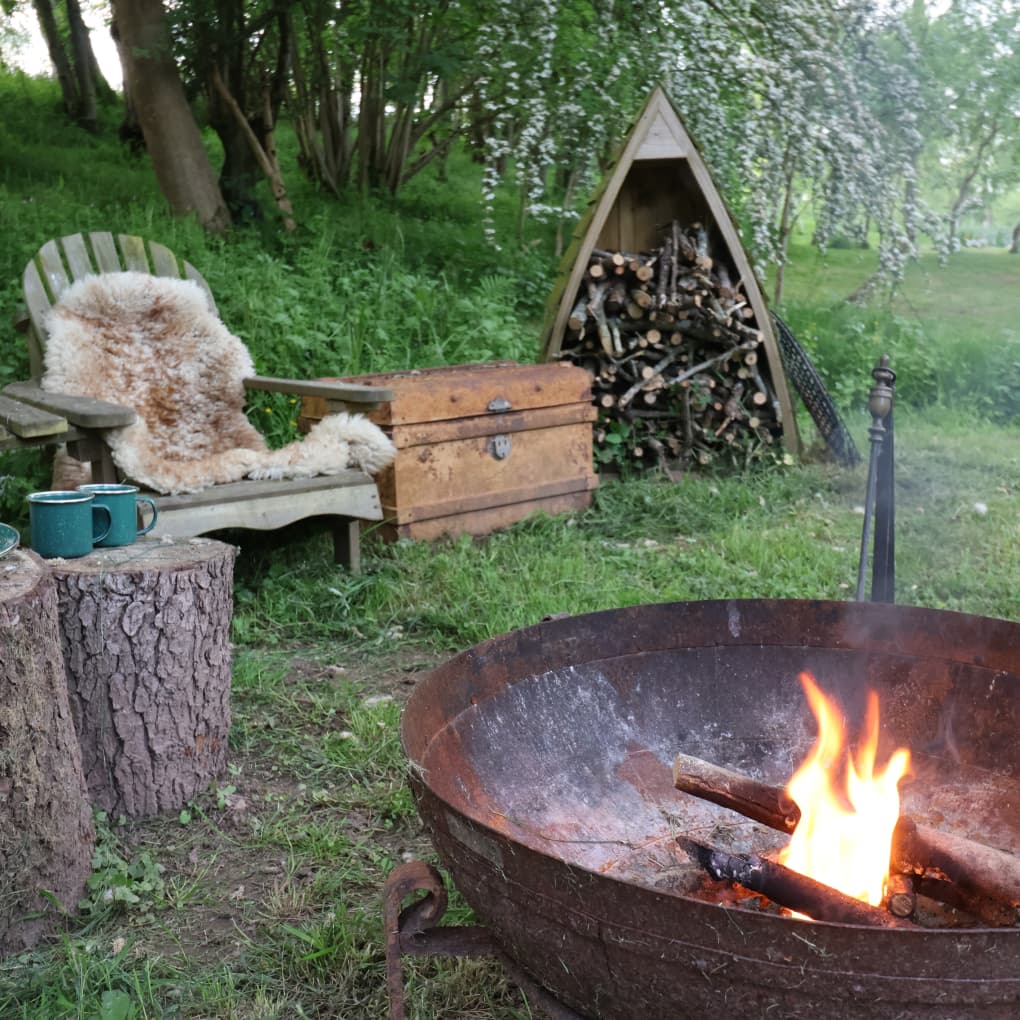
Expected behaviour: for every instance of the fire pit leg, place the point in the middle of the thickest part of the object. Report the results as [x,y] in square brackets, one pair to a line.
[414,931]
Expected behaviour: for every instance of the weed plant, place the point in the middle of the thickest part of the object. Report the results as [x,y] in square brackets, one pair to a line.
[260,899]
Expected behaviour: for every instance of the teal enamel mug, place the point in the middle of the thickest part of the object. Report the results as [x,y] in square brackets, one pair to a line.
[66,524]
[122,502]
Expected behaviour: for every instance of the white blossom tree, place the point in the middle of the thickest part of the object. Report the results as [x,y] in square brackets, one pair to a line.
[974,145]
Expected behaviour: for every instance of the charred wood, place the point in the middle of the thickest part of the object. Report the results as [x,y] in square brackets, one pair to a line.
[788,888]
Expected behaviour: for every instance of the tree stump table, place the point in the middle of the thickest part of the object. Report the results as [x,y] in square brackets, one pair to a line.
[46,832]
[145,630]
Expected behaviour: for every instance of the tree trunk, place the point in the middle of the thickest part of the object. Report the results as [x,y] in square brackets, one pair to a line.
[787,218]
[372,119]
[320,107]
[146,636]
[262,147]
[964,189]
[130,131]
[86,113]
[1014,248]
[46,831]
[240,172]
[185,175]
[58,54]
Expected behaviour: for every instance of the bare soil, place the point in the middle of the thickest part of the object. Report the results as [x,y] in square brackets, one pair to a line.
[224,882]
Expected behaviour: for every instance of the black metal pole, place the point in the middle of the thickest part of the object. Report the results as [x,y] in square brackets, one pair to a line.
[883,560]
[880,404]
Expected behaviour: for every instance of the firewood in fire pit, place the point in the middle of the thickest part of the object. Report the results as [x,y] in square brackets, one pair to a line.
[900,895]
[984,881]
[788,888]
[769,805]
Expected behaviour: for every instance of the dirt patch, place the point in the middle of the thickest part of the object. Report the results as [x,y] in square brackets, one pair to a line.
[394,673]
[271,845]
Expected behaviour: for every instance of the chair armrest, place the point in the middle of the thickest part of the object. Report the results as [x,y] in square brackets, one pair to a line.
[27,422]
[81,411]
[343,392]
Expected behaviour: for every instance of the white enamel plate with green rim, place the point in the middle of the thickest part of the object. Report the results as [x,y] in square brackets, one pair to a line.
[9,539]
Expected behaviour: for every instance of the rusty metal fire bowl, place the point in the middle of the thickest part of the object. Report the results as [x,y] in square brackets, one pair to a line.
[541,763]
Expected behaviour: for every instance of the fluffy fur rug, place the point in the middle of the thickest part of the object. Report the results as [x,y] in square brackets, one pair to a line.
[152,344]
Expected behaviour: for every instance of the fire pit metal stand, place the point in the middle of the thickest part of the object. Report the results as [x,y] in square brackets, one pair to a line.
[880,500]
[415,930]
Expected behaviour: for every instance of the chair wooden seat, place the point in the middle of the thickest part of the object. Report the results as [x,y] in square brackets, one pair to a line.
[30,415]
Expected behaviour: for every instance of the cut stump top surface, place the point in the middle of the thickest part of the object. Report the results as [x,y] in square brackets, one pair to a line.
[20,572]
[146,555]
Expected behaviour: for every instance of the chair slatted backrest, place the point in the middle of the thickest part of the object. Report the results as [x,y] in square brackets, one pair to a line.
[60,263]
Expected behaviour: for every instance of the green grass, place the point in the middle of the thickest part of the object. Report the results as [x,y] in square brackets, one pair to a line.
[261,898]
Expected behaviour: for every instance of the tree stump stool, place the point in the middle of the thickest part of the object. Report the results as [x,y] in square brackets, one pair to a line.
[46,832]
[145,630]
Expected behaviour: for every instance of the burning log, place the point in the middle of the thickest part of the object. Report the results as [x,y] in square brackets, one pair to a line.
[675,317]
[984,881]
[901,895]
[788,888]
[766,804]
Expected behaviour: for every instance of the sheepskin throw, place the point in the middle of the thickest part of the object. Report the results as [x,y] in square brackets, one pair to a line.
[152,343]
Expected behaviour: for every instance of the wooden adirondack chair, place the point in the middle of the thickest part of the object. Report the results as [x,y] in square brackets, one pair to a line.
[34,415]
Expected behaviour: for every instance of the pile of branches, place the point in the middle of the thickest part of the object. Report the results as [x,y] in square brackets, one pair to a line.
[675,356]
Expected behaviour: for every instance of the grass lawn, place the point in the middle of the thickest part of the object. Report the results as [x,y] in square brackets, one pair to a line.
[261,899]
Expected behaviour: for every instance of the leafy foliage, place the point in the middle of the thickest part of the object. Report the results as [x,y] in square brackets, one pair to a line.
[118,883]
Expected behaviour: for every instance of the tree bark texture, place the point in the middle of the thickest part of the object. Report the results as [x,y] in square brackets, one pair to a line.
[58,54]
[145,630]
[172,138]
[46,831]
[87,113]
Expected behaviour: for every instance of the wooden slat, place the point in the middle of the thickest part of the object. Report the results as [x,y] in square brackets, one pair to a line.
[348,392]
[29,422]
[83,411]
[53,269]
[38,301]
[191,273]
[233,492]
[12,442]
[431,432]
[269,505]
[77,256]
[164,261]
[434,394]
[107,257]
[133,249]
[482,521]
[487,500]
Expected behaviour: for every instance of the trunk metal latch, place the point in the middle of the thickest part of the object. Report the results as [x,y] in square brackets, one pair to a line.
[498,405]
[499,446]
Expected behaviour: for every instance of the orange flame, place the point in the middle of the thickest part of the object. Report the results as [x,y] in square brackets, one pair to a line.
[844,836]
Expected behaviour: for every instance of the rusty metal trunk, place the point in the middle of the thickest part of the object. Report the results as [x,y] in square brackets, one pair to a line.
[541,764]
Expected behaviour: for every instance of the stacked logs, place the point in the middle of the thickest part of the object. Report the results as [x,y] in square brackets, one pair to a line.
[675,358]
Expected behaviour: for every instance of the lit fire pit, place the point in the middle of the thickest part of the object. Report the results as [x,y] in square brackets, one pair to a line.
[543,765]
